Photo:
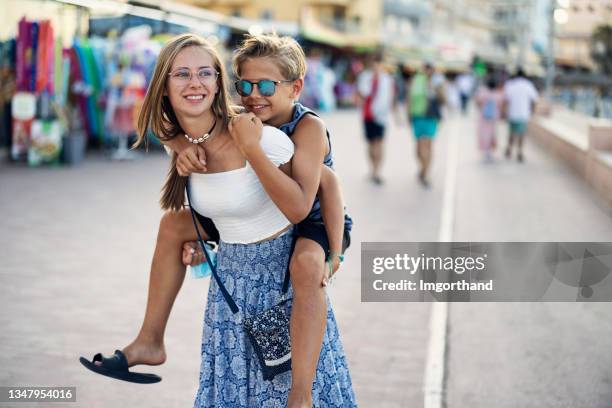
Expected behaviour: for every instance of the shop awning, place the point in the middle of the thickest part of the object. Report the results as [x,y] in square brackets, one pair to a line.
[196,18]
[312,29]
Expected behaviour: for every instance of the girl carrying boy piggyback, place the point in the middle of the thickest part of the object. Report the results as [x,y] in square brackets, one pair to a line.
[271,76]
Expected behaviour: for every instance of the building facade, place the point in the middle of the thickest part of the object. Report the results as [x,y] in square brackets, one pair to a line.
[573,32]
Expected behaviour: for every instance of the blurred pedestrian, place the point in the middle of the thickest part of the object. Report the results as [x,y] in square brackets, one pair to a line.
[520,95]
[400,77]
[453,98]
[426,97]
[376,92]
[489,100]
[313,80]
[465,85]
[327,101]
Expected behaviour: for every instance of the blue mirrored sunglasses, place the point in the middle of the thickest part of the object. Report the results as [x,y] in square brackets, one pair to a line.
[266,87]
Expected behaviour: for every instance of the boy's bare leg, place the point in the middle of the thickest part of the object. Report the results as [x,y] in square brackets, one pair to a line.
[166,278]
[308,319]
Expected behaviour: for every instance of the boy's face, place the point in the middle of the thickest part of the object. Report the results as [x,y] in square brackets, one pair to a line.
[276,109]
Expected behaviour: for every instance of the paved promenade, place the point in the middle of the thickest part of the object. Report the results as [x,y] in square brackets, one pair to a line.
[77,243]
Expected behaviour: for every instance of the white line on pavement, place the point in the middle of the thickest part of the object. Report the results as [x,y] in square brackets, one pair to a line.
[433,388]
[434,367]
[447,218]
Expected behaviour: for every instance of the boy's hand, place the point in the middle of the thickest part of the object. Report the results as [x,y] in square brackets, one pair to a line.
[246,130]
[192,159]
[192,254]
[329,274]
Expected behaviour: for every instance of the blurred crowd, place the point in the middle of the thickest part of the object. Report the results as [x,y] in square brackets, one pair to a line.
[427,96]
[89,94]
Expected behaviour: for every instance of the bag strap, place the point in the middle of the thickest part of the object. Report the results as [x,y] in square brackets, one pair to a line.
[228,298]
[213,268]
[369,100]
[286,280]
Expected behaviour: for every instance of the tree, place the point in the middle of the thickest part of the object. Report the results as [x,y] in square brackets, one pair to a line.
[601,48]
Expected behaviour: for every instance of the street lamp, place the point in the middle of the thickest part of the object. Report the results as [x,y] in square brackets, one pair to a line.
[558,15]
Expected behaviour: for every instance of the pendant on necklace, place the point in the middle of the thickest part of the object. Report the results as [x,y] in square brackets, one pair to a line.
[198,140]
[204,138]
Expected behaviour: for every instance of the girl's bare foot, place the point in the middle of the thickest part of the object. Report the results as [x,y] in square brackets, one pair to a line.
[141,352]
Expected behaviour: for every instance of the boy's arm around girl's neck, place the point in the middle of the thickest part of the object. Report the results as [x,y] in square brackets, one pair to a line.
[294,195]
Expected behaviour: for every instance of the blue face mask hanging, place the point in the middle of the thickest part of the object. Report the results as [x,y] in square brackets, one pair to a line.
[203,270]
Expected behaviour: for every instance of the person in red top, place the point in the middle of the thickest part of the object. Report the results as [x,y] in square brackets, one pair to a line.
[376,89]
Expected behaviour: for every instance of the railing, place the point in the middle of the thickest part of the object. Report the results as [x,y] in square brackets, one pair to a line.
[585,100]
[583,142]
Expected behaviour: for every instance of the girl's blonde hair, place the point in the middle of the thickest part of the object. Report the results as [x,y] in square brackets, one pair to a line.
[158,115]
[287,53]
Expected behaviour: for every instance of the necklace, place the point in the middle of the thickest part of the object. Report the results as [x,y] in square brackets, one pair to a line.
[204,138]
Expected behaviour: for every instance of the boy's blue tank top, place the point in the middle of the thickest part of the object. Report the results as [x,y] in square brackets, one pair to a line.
[299,112]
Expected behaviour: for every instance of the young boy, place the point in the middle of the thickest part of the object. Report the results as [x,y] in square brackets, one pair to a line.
[271,74]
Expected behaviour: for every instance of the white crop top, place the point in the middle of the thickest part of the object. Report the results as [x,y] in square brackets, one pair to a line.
[236,201]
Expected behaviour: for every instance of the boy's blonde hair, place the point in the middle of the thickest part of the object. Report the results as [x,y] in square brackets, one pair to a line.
[287,53]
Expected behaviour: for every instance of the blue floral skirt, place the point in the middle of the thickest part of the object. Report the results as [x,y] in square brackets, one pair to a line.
[230,375]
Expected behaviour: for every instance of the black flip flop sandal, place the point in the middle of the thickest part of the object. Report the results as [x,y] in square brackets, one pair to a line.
[116,367]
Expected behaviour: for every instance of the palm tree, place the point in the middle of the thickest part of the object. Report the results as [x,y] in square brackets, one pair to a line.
[601,48]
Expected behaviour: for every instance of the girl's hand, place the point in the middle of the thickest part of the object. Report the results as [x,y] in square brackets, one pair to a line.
[192,254]
[246,130]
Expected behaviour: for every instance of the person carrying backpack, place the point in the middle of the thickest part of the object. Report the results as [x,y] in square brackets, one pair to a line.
[489,100]
[425,100]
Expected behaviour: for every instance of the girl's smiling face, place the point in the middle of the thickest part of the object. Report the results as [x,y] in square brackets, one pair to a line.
[192,97]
